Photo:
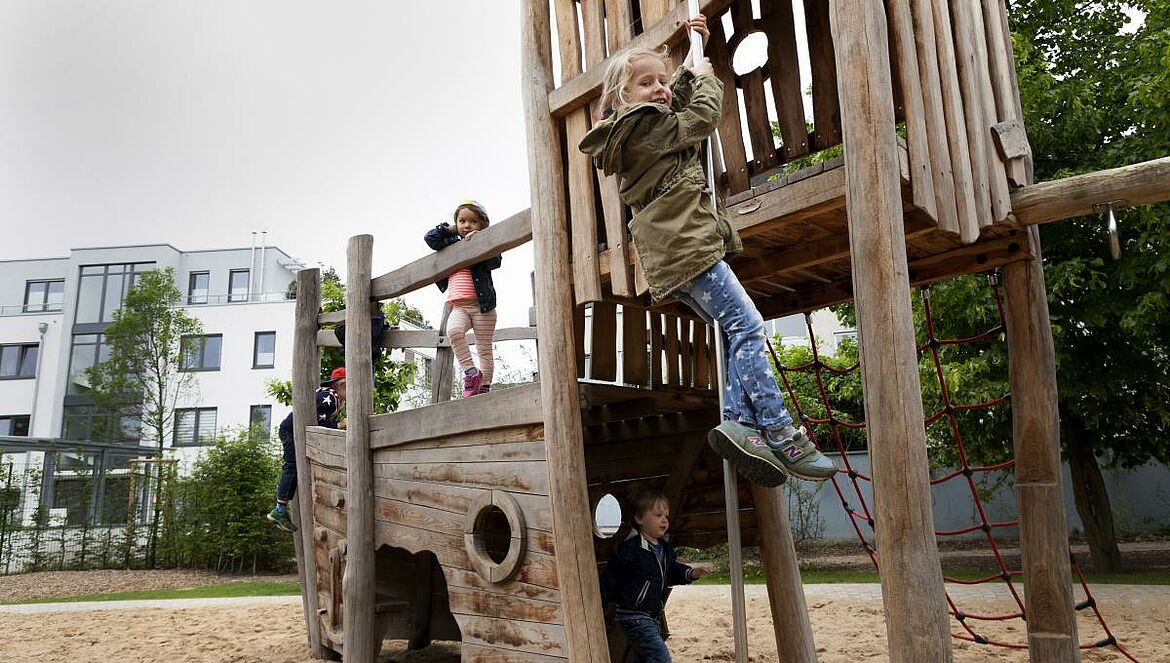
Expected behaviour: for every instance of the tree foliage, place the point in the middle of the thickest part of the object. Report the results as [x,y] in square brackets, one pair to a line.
[392,378]
[142,380]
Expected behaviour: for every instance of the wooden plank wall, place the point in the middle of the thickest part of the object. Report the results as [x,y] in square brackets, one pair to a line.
[656,349]
[955,80]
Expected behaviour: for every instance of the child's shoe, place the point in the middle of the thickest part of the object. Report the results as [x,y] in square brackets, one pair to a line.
[485,388]
[800,458]
[748,450]
[472,381]
[279,517]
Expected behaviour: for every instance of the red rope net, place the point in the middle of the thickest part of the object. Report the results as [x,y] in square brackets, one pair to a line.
[849,482]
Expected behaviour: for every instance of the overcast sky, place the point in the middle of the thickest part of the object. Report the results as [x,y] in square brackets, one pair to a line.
[195,123]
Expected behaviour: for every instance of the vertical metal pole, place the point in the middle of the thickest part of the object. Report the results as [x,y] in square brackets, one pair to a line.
[731,500]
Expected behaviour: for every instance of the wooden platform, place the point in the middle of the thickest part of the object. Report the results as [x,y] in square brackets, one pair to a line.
[796,242]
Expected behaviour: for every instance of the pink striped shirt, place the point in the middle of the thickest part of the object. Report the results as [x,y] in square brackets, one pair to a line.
[460,287]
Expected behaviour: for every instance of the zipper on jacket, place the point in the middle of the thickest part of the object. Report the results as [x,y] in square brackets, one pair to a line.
[642,594]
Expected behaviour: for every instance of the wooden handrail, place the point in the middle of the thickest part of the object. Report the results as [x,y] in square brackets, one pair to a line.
[1137,184]
[494,240]
[670,30]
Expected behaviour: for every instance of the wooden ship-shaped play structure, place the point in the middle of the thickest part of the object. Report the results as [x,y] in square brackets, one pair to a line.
[472,520]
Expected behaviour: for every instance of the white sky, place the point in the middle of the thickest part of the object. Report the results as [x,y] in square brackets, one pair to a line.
[195,123]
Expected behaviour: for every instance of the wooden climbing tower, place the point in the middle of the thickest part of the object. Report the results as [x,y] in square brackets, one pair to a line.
[472,520]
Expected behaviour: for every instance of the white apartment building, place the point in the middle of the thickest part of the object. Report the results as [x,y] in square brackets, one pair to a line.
[53,312]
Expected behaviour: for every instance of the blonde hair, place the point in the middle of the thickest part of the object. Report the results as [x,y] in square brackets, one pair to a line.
[617,76]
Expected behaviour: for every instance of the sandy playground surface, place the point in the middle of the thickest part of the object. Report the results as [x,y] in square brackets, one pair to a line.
[846,627]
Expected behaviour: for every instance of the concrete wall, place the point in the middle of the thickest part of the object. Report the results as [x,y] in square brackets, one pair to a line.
[1140,498]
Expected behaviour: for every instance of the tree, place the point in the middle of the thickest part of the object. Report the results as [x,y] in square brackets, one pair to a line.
[1094,96]
[142,379]
[391,378]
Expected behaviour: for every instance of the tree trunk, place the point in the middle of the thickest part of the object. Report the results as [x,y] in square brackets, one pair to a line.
[1090,495]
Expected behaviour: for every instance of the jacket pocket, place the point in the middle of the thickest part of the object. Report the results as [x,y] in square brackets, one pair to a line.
[642,594]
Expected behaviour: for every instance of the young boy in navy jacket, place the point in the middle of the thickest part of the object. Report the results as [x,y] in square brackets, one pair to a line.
[637,577]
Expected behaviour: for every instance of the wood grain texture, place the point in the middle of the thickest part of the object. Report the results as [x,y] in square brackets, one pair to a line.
[584,631]
[917,624]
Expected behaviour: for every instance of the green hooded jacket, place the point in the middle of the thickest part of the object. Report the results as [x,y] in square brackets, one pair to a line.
[654,150]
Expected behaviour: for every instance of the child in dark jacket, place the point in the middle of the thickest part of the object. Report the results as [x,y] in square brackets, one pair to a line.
[472,297]
[637,577]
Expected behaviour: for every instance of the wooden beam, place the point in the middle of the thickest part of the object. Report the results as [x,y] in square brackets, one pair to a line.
[672,29]
[790,622]
[917,623]
[428,338]
[360,568]
[1138,184]
[306,374]
[516,406]
[1052,627]
[492,241]
[576,565]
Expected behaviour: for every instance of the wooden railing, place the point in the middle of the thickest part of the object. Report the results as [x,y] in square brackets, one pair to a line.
[952,85]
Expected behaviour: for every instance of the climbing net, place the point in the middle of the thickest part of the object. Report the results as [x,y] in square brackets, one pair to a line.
[850,482]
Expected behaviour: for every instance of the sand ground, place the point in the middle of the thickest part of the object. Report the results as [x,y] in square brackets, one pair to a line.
[847,623]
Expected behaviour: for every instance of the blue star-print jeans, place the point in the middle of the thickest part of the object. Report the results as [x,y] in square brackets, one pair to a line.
[642,633]
[753,396]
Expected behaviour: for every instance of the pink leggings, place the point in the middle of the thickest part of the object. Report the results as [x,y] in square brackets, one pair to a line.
[464,316]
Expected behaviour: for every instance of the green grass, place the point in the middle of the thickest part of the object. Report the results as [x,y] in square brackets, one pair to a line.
[755,576]
[227,590]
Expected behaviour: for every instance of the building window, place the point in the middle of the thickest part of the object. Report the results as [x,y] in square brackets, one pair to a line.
[194,426]
[238,285]
[260,420]
[18,362]
[102,288]
[15,424]
[264,350]
[89,422]
[88,350]
[201,353]
[197,287]
[42,296]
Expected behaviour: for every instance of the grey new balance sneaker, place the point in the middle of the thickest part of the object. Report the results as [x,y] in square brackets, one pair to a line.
[800,458]
[747,449]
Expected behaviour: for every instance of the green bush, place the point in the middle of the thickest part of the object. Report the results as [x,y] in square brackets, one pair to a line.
[222,504]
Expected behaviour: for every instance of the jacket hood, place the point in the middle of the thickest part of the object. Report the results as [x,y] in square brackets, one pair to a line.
[605,140]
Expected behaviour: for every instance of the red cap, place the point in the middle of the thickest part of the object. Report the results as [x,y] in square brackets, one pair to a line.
[337,374]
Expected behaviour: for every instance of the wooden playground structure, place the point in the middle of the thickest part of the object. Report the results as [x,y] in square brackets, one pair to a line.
[472,520]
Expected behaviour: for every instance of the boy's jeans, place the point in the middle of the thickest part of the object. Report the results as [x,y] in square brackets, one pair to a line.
[643,635]
[753,396]
[288,473]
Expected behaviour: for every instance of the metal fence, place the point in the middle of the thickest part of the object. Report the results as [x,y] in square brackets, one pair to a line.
[77,505]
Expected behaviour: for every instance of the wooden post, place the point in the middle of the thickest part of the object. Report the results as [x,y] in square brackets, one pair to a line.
[358,583]
[917,625]
[442,367]
[794,638]
[306,372]
[564,446]
[1052,628]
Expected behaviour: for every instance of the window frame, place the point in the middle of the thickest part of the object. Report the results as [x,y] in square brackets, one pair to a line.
[267,431]
[256,349]
[21,360]
[200,412]
[43,306]
[191,287]
[231,296]
[12,419]
[202,365]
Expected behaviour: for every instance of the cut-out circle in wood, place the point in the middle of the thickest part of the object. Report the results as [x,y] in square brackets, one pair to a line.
[749,53]
[494,535]
[607,517]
